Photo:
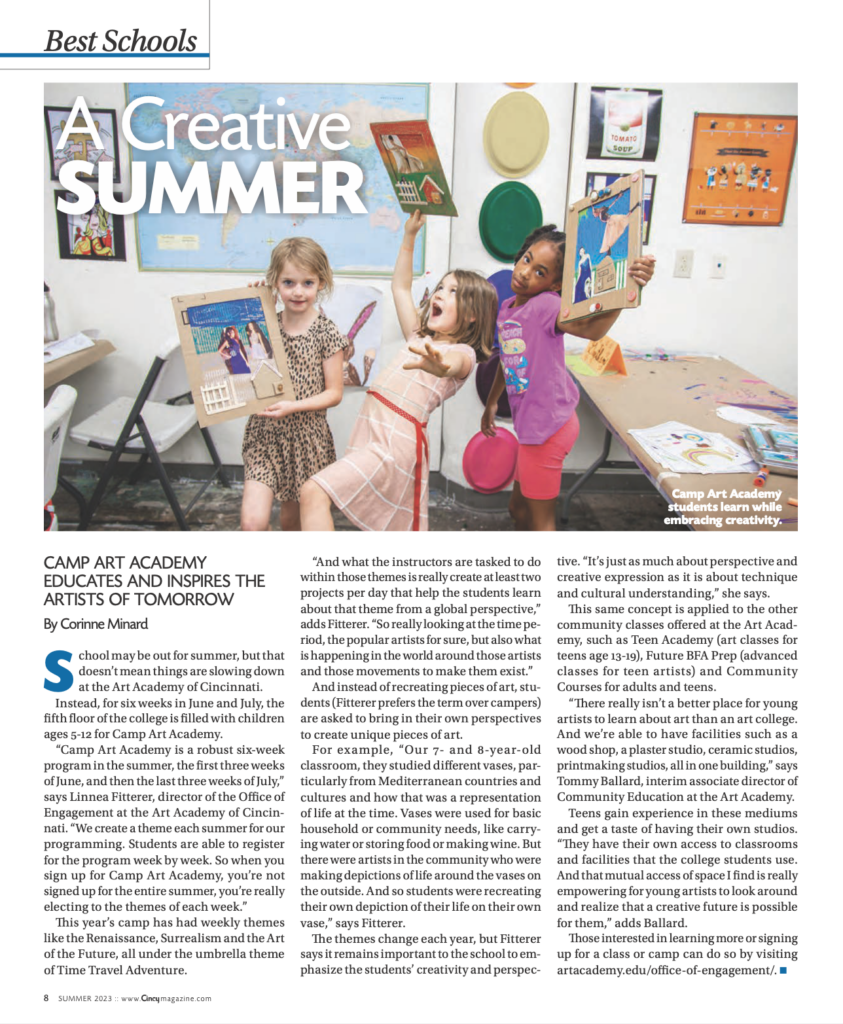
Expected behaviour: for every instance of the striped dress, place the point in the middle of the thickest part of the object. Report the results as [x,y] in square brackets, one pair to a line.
[374,483]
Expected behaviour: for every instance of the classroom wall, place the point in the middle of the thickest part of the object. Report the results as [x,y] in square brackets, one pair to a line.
[133,309]
[749,317]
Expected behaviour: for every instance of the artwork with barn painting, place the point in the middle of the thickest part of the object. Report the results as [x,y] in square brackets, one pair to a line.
[604,233]
[232,348]
[414,168]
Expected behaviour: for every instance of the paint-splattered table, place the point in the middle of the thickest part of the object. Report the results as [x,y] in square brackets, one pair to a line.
[690,392]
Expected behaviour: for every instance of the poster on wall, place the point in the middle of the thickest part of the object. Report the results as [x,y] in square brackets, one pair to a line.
[595,182]
[235,358]
[739,169]
[624,124]
[604,239]
[79,144]
[97,236]
[412,162]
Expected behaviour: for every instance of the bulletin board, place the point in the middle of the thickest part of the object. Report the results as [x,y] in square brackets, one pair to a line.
[739,169]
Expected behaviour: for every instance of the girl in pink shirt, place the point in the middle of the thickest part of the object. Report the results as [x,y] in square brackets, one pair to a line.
[381,481]
[542,394]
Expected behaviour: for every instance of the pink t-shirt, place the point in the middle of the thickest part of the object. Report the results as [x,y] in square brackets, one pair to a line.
[542,394]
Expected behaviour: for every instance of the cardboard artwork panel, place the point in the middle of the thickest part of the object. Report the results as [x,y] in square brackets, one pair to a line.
[739,169]
[595,180]
[604,233]
[235,359]
[414,168]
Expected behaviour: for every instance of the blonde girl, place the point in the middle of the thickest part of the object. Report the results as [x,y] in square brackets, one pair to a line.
[381,481]
[290,441]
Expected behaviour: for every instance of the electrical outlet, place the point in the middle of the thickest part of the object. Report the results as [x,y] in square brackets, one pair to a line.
[684,264]
[718,267]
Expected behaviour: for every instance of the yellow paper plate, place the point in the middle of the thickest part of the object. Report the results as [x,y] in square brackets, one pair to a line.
[515,134]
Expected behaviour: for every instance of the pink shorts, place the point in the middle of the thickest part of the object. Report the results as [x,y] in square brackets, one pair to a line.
[539,466]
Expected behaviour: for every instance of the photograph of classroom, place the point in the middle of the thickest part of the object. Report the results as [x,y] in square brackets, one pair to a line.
[704,370]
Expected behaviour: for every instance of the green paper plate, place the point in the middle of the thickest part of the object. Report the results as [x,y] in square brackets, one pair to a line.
[509,213]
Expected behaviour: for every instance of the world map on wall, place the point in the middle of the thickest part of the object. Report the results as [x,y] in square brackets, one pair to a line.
[356,244]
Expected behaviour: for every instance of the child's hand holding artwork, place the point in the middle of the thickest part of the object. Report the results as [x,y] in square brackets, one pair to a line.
[415,222]
[641,270]
[279,410]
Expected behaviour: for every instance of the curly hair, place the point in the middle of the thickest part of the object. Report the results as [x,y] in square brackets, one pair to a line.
[546,233]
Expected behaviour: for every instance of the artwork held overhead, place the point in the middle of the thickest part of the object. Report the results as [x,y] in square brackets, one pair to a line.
[414,168]
[604,232]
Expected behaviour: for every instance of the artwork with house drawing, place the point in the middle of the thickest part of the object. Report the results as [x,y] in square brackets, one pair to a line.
[414,168]
[232,348]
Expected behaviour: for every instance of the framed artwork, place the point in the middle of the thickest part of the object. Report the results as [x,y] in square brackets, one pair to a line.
[624,124]
[604,237]
[96,236]
[597,181]
[739,169]
[414,168]
[79,144]
[235,358]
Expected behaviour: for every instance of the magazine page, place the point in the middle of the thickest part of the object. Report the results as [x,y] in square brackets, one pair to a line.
[421,628]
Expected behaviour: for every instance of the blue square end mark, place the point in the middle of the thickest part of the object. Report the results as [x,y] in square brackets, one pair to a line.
[782,970]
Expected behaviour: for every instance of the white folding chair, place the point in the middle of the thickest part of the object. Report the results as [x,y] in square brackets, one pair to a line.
[56,419]
[148,425]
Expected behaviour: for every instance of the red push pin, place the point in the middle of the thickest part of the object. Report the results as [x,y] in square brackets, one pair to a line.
[631,296]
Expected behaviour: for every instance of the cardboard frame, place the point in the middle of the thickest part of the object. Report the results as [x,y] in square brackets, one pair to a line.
[415,170]
[603,284]
[221,390]
[592,182]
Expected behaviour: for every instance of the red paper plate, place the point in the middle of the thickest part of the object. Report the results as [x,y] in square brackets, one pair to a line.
[488,463]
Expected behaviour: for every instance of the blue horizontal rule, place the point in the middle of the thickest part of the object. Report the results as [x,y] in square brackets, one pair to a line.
[127,54]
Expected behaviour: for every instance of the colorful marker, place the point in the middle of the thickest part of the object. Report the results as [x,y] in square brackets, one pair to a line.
[761,479]
[793,501]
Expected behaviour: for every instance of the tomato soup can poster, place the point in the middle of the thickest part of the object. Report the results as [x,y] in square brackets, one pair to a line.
[624,124]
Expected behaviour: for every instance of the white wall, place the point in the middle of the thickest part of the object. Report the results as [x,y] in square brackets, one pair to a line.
[750,317]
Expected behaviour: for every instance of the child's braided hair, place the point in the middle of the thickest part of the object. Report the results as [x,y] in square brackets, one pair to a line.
[546,233]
